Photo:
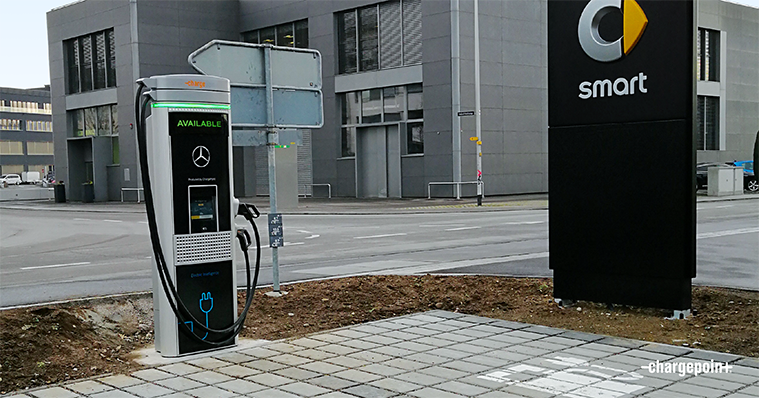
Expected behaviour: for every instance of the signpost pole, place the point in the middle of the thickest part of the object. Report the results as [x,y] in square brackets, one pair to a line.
[271,142]
[477,111]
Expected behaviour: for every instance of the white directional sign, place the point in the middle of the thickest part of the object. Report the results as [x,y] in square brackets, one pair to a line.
[271,86]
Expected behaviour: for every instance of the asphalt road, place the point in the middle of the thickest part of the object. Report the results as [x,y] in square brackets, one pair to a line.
[55,255]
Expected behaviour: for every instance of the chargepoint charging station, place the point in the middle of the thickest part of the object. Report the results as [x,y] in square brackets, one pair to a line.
[185,143]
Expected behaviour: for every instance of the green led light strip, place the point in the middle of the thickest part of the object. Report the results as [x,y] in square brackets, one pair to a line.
[189,105]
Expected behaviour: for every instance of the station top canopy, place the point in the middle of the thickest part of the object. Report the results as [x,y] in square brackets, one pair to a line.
[185,82]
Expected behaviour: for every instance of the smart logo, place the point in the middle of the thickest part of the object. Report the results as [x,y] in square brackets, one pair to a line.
[633,25]
[602,50]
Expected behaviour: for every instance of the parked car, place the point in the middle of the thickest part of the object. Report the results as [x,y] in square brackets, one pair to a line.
[702,173]
[10,179]
[750,182]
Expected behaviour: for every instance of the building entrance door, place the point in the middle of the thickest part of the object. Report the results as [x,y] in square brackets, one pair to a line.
[378,162]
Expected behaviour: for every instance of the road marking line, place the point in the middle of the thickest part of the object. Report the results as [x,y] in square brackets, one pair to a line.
[55,265]
[432,268]
[717,234]
[285,244]
[82,219]
[461,228]
[143,222]
[524,223]
[303,232]
[112,221]
[380,236]
[313,236]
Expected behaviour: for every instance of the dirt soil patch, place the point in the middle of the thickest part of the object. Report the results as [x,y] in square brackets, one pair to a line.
[52,344]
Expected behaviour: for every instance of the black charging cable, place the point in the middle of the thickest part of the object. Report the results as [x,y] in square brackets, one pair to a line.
[246,210]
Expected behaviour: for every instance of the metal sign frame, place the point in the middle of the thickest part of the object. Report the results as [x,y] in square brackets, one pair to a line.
[264,77]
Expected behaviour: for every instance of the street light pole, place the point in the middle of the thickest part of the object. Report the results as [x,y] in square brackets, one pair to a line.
[477,111]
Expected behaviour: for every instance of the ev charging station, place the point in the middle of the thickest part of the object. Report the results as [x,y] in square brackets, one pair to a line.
[186,158]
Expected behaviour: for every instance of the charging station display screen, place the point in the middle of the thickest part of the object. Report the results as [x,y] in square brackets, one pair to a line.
[203,209]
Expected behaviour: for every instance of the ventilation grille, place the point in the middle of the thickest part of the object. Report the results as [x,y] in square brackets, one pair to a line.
[203,248]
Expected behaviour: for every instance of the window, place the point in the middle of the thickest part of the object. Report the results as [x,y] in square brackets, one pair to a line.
[348,141]
[78,122]
[250,37]
[346,42]
[42,168]
[351,108]
[412,32]
[391,39]
[39,148]
[393,103]
[101,121]
[368,39]
[104,120]
[707,123]
[415,102]
[114,121]
[25,107]
[291,34]
[381,36]
[10,124]
[86,63]
[111,68]
[115,156]
[415,138]
[72,66]
[389,104]
[100,54]
[12,168]
[90,62]
[707,53]
[301,34]
[285,35]
[383,105]
[371,106]
[90,121]
[268,36]
[39,125]
[11,148]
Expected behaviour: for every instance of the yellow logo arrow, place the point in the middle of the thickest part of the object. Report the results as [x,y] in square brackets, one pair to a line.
[634,23]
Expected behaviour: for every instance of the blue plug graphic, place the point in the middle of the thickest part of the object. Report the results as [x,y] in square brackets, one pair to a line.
[206,297]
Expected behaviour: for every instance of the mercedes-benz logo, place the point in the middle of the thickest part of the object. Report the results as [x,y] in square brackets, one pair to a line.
[201,156]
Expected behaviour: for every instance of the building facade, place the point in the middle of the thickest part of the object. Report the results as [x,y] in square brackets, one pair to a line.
[395,75]
[26,131]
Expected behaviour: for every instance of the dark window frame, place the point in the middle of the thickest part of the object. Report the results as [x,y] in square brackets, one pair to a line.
[96,73]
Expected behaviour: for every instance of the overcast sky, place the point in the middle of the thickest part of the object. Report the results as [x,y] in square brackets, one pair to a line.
[23,47]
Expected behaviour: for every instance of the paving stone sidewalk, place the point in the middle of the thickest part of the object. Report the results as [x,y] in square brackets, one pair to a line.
[435,354]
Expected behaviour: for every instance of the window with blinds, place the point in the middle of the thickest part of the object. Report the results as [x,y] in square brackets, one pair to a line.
[39,148]
[707,123]
[11,148]
[412,32]
[386,35]
[391,39]
[707,55]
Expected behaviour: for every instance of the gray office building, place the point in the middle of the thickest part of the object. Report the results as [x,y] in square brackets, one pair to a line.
[395,75]
[26,131]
